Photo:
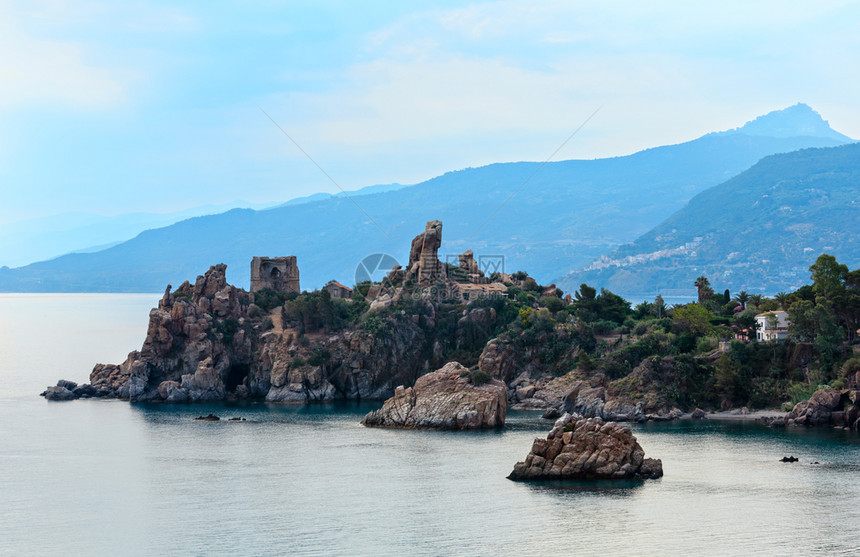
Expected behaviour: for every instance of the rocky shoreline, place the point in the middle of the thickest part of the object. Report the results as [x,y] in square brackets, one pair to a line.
[447,398]
[211,341]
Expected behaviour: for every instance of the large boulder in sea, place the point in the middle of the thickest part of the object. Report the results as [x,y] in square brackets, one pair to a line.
[444,399]
[587,448]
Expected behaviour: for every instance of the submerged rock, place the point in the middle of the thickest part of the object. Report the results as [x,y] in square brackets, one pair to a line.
[444,399]
[208,418]
[587,448]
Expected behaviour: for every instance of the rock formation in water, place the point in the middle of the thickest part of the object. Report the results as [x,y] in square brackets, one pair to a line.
[587,448]
[447,398]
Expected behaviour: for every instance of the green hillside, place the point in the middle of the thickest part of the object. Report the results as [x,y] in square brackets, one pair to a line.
[759,231]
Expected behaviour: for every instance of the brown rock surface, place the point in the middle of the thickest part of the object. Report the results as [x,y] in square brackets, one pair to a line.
[587,448]
[825,407]
[424,261]
[443,400]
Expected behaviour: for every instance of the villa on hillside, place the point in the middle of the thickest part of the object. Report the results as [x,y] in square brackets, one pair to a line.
[337,290]
[771,325]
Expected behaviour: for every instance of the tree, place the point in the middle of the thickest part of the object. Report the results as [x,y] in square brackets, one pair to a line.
[585,303]
[745,323]
[703,286]
[782,299]
[802,324]
[612,307]
[851,306]
[660,306]
[692,318]
[828,276]
[756,300]
[742,298]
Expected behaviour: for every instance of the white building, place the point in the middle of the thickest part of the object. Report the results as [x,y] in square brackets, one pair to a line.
[771,325]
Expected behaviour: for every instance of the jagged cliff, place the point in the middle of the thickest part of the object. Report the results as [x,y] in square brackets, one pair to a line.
[213,341]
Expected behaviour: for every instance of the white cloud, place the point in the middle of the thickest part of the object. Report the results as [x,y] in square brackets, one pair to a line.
[34,70]
[665,72]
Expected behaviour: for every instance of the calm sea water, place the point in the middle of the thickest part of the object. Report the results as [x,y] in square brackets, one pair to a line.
[113,478]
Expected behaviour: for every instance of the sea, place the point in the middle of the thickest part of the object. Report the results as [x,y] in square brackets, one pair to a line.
[106,477]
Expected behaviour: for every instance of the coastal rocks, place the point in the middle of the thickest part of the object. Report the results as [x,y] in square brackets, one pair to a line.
[591,402]
[543,393]
[586,448]
[444,399]
[498,360]
[172,391]
[65,383]
[204,384]
[58,393]
[69,390]
[836,407]
[698,414]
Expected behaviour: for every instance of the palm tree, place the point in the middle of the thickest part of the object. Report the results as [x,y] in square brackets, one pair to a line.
[703,286]
[756,299]
[782,299]
[742,298]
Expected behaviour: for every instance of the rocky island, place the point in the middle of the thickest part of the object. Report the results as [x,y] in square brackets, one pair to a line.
[588,352]
[579,448]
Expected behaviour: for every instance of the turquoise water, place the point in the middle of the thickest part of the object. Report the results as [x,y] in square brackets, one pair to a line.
[112,478]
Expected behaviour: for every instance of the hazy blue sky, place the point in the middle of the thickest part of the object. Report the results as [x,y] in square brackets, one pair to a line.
[113,107]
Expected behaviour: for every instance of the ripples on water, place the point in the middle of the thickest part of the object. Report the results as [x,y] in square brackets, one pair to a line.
[108,477]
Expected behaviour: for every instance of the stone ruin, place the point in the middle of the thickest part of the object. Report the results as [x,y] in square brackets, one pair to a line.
[281,274]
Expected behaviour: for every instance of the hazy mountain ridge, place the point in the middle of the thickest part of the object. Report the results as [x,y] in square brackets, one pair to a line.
[759,231]
[563,218]
[42,238]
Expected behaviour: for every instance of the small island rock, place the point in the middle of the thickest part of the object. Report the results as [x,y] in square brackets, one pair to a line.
[587,448]
[59,393]
[444,399]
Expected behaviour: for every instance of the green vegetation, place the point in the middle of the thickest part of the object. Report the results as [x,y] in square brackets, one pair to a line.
[476,376]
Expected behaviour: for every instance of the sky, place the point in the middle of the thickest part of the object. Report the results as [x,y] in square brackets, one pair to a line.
[117,107]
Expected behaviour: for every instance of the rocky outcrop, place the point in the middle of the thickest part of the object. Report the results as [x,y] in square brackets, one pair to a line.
[68,390]
[591,402]
[498,360]
[424,264]
[834,407]
[587,448]
[444,399]
[58,393]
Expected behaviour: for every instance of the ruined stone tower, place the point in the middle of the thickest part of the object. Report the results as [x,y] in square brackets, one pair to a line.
[278,273]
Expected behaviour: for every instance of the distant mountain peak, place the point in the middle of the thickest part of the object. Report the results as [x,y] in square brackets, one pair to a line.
[799,120]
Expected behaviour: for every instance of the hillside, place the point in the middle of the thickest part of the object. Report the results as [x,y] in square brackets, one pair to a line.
[563,217]
[759,231]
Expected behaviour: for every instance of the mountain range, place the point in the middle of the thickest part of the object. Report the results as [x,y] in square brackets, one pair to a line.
[759,231]
[548,219]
